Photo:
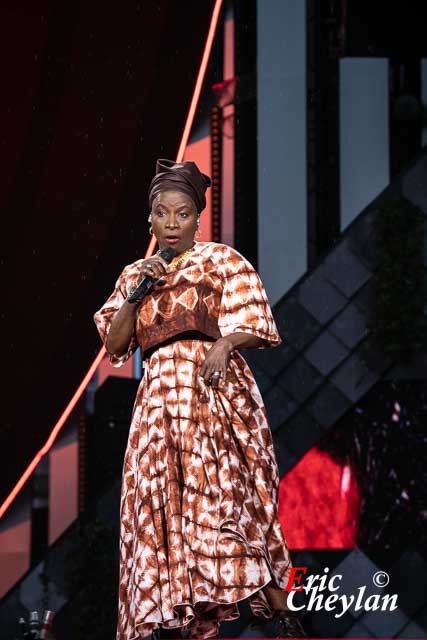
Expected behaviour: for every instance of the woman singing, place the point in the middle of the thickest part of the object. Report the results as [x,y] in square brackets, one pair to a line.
[199,523]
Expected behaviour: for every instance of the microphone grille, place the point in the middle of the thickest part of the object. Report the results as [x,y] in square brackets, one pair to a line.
[168,254]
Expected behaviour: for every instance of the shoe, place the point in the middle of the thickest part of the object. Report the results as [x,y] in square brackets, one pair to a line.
[287,625]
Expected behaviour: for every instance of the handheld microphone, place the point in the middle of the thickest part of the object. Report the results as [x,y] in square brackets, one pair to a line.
[46,626]
[24,628]
[168,253]
[34,624]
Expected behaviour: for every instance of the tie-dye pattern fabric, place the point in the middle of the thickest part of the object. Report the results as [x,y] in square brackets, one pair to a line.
[199,523]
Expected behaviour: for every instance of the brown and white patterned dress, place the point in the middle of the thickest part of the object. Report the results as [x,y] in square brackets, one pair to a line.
[199,522]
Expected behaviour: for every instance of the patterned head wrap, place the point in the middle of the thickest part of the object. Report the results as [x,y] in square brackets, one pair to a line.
[182,176]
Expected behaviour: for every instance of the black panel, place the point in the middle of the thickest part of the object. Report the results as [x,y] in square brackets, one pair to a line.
[323,197]
[385,29]
[245,170]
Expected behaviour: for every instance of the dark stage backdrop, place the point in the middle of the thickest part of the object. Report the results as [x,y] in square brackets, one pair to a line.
[92,94]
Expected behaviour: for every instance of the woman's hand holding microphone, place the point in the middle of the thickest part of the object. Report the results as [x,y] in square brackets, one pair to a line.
[153,267]
[123,322]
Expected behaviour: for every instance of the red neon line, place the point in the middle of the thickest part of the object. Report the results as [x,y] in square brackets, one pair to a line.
[77,395]
[199,81]
[54,433]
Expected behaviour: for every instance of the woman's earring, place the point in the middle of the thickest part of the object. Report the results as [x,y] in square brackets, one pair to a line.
[198,232]
[150,230]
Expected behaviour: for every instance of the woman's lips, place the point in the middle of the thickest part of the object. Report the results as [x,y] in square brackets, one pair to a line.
[172,240]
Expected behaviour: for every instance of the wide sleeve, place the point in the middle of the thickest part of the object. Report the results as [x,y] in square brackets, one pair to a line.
[244,304]
[104,317]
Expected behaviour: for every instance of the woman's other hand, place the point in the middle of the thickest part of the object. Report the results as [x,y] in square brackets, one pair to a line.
[216,359]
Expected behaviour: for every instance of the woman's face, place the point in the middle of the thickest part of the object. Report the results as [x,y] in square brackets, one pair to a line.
[174,213]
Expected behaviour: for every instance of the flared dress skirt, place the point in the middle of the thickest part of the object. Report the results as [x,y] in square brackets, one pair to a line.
[199,528]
